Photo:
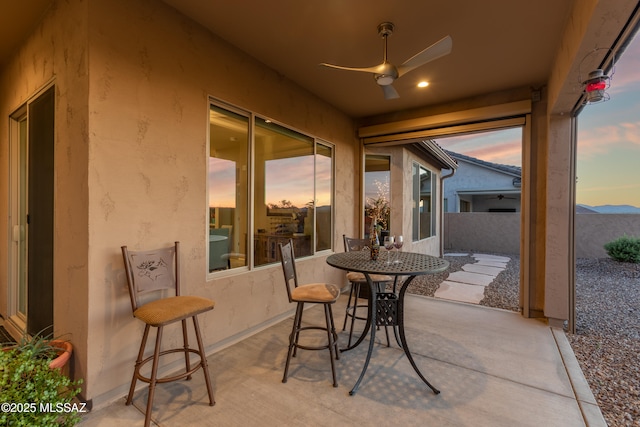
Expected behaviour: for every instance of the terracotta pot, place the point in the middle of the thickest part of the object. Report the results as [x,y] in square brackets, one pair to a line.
[63,354]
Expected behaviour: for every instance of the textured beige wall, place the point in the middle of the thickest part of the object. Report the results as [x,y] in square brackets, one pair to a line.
[499,232]
[483,232]
[133,80]
[56,52]
[594,230]
[152,71]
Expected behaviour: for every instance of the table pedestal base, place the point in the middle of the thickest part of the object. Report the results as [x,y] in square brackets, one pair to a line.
[389,311]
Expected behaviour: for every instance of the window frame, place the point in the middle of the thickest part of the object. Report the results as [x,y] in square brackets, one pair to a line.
[251,187]
[416,229]
[366,222]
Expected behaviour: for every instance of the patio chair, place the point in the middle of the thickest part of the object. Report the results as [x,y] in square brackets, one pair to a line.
[360,287]
[315,293]
[159,270]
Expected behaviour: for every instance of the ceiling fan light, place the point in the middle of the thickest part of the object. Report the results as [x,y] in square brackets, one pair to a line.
[384,80]
[423,84]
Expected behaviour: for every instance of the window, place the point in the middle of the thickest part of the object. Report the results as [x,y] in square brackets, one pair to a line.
[424,202]
[290,186]
[228,188]
[324,197]
[284,191]
[377,175]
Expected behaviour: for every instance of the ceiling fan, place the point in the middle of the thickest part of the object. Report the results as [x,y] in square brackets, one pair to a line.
[502,196]
[386,73]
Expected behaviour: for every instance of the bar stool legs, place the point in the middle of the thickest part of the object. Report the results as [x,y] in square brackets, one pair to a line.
[153,380]
[332,339]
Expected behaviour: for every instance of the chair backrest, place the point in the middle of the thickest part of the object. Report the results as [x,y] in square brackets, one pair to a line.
[287,258]
[152,270]
[352,244]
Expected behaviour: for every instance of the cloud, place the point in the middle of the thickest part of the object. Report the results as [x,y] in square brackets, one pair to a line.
[600,140]
[626,73]
[506,152]
[504,146]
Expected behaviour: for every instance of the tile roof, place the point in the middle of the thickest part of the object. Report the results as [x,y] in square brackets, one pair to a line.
[512,170]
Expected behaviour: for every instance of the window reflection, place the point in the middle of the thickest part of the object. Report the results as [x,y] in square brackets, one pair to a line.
[324,196]
[228,189]
[377,175]
[290,183]
[423,202]
[284,191]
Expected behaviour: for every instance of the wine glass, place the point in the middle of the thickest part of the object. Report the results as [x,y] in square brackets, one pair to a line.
[388,245]
[398,245]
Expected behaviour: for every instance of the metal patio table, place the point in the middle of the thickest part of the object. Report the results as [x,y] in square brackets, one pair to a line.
[387,308]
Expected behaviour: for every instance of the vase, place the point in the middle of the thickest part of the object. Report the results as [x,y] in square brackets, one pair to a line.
[64,350]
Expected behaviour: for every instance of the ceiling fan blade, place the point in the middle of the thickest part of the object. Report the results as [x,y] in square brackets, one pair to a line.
[437,50]
[339,67]
[389,92]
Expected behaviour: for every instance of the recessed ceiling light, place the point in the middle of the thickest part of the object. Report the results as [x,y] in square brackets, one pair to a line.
[423,84]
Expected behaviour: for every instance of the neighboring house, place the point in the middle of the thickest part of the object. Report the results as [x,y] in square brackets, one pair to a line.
[481,186]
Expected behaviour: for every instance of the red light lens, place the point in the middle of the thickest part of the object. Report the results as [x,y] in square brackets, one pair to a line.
[599,85]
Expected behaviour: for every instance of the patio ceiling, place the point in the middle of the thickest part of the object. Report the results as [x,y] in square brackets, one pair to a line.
[498,45]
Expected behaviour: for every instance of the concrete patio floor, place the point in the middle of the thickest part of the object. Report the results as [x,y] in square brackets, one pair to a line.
[493,367]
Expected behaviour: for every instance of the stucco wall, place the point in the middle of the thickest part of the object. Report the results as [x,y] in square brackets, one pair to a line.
[500,232]
[594,230]
[152,71]
[482,232]
[133,80]
[56,53]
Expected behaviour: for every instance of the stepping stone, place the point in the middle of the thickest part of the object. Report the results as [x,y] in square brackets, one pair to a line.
[501,265]
[487,257]
[460,292]
[482,269]
[470,278]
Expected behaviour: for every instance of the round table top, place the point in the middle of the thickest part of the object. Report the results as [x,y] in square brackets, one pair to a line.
[410,263]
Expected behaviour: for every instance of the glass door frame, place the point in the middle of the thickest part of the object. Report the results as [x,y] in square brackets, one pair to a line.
[16,322]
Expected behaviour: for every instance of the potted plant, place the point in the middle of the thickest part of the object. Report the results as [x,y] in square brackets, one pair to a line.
[378,209]
[33,388]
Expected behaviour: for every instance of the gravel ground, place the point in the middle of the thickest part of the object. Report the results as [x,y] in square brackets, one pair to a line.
[607,339]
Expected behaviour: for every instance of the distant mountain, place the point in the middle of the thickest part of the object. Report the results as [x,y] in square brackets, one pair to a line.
[609,209]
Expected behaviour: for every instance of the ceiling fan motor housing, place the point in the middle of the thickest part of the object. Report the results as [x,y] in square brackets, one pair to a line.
[386,74]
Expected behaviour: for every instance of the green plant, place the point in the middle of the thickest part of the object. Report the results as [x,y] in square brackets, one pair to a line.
[624,249]
[32,393]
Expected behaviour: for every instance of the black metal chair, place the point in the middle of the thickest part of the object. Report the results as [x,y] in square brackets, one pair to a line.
[158,270]
[315,293]
[360,287]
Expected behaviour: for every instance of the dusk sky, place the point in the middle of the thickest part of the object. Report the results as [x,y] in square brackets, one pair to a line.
[608,156]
